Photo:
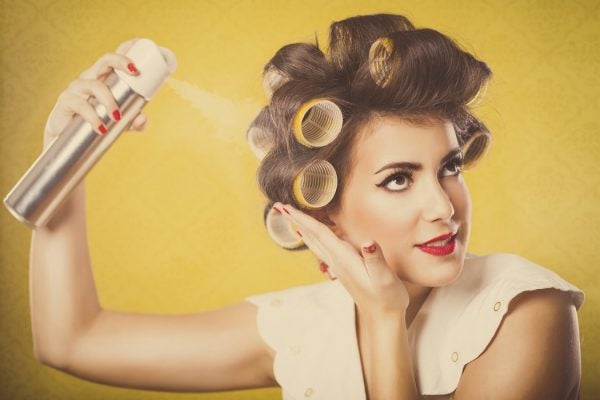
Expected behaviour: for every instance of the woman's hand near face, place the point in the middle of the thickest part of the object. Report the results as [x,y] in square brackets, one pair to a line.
[375,288]
[74,99]
[381,300]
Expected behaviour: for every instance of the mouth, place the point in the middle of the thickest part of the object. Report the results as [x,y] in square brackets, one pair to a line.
[439,241]
[443,247]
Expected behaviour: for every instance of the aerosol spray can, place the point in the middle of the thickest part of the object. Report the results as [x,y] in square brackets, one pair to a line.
[70,156]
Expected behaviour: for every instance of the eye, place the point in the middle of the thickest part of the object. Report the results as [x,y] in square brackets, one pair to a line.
[396,181]
[455,166]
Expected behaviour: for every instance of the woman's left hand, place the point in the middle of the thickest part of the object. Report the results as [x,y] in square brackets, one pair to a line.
[374,286]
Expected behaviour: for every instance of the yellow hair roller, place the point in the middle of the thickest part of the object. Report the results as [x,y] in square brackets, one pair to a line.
[317,123]
[315,186]
[379,55]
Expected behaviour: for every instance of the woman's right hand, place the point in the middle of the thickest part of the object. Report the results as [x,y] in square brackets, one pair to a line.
[74,99]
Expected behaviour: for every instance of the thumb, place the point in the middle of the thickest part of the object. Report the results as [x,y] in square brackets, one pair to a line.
[374,260]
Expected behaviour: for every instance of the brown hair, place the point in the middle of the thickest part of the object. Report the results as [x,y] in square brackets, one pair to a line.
[376,65]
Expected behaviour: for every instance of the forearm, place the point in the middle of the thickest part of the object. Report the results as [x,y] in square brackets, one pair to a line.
[63,296]
[389,372]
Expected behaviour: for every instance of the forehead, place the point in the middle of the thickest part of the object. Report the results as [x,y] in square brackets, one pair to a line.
[391,139]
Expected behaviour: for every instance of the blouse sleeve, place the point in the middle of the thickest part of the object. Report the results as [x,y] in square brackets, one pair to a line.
[470,312]
[311,329]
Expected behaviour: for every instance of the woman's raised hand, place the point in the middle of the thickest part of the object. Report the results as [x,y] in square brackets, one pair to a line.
[73,100]
[375,288]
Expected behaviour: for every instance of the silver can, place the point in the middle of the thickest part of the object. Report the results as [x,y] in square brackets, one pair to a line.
[47,184]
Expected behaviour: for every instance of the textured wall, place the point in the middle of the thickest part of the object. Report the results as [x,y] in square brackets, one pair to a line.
[166,207]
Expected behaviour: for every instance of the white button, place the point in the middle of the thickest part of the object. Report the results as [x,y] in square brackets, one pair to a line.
[454,357]
[309,392]
[497,306]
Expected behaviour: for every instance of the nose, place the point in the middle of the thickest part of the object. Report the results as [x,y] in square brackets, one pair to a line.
[437,204]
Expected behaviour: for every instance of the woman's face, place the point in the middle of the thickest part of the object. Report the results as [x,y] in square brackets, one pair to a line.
[401,207]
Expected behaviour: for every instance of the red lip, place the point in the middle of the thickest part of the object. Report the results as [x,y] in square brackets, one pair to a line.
[435,239]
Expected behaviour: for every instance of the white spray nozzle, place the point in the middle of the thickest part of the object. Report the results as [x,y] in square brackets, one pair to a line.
[154,64]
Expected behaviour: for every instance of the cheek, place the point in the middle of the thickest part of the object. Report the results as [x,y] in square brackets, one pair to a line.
[378,216]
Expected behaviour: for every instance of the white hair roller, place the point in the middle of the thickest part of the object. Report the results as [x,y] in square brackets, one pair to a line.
[282,231]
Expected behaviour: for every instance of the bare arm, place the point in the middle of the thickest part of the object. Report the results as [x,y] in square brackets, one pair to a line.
[386,360]
[206,351]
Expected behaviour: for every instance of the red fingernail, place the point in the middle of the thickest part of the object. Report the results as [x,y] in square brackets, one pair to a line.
[102,129]
[277,209]
[284,209]
[323,267]
[370,249]
[132,68]
[116,115]
[299,234]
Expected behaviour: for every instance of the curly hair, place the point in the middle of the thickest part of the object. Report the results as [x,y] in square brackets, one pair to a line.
[376,65]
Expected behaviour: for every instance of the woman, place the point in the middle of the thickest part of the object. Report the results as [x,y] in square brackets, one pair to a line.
[408,313]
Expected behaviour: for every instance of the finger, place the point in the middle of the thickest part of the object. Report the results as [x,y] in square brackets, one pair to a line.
[74,104]
[91,87]
[375,264]
[139,123]
[336,252]
[109,62]
[324,268]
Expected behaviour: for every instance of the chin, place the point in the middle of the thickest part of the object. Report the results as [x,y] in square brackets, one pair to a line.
[433,273]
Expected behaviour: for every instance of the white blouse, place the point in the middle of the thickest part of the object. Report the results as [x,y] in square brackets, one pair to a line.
[312,328]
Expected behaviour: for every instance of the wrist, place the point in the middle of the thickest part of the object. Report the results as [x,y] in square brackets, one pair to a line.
[383,317]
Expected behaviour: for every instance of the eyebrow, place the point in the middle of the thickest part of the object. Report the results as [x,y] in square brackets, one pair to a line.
[418,166]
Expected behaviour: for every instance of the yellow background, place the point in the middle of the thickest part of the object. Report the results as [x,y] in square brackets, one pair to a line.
[174,214]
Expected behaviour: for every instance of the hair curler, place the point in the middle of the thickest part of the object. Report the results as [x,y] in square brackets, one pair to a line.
[317,123]
[475,148]
[71,155]
[281,230]
[379,55]
[315,185]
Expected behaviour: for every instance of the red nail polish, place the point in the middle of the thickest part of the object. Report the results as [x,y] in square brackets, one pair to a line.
[284,209]
[277,209]
[370,249]
[102,129]
[299,234]
[323,267]
[132,68]
[117,115]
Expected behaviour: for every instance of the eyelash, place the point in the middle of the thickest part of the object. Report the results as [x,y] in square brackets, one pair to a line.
[408,174]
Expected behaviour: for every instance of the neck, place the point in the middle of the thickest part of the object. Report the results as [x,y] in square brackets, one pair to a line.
[417,295]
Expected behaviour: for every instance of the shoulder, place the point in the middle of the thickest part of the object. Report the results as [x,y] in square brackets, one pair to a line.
[535,349]
[503,276]
[284,314]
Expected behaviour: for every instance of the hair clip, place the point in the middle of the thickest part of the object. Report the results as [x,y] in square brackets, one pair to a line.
[317,122]
[315,185]
[379,55]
